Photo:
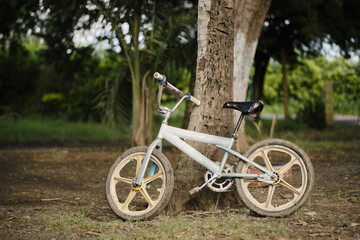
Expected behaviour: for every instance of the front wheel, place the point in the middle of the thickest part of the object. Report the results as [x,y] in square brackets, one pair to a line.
[139,202]
[295,178]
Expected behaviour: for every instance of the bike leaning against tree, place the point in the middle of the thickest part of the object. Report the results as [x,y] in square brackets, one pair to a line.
[273,178]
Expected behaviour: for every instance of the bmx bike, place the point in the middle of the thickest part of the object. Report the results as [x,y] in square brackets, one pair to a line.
[273,178]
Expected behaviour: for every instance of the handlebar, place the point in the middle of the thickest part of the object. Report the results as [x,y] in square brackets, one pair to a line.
[172,89]
[158,76]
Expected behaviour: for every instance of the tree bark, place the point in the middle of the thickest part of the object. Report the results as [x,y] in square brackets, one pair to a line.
[214,86]
[285,85]
[137,122]
[249,19]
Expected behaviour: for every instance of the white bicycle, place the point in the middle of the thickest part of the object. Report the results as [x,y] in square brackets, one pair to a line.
[273,178]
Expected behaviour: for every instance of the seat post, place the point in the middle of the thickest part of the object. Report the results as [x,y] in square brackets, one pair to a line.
[234,135]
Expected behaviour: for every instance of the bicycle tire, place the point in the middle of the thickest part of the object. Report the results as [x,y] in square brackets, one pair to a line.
[290,192]
[134,203]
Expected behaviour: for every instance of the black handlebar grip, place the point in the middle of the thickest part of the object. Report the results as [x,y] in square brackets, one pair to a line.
[173,90]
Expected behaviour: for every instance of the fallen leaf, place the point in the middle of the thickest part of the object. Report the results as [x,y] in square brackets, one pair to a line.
[93,233]
[50,199]
[10,218]
[300,223]
[310,214]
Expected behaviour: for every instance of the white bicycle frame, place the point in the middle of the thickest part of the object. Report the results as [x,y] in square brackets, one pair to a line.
[175,135]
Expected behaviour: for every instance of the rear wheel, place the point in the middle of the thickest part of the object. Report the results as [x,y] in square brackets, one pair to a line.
[292,186]
[143,201]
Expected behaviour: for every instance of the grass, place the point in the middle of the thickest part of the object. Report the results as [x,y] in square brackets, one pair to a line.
[345,107]
[340,194]
[278,108]
[300,134]
[219,225]
[45,129]
[67,220]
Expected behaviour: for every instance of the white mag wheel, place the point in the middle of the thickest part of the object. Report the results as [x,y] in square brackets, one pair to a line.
[144,201]
[292,187]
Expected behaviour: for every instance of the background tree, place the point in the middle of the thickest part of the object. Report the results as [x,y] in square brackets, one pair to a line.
[146,34]
[289,27]
[306,87]
[137,16]
[301,27]
[18,73]
[16,18]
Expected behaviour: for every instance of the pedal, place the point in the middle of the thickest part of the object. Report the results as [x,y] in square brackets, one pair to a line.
[197,189]
[194,190]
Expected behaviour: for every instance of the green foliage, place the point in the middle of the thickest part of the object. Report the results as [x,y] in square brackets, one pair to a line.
[301,26]
[291,26]
[95,85]
[305,28]
[113,101]
[53,103]
[88,76]
[52,97]
[306,83]
[345,106]
[28,82]
[313,113]
[272,84]
[18,76]
[16,18]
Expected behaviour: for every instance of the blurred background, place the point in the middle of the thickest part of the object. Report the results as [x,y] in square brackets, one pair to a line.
[75,69]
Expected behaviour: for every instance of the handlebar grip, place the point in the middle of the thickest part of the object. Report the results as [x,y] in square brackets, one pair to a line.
[195,100]
[158,76]
[173,90]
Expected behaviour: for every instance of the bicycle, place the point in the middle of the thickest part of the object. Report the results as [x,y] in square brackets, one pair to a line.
[273,178]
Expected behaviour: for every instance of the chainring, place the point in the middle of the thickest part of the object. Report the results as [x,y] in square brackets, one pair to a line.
[220,184]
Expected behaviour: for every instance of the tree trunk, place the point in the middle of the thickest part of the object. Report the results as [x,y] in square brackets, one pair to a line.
[133,61]
[141,133]
[189,104]
[141,123]
[214,86]
[149,117]
[261,63]
[249,19]
[285,85]
[329,103]
[138,106]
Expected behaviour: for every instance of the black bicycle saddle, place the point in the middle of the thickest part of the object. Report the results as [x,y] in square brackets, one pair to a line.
[251,109]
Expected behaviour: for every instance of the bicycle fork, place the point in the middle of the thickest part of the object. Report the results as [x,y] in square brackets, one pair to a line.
[140,176]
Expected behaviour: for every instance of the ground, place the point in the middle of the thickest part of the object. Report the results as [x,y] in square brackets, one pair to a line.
[58,193]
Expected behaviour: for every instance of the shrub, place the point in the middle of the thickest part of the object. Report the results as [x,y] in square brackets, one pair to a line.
[313,113]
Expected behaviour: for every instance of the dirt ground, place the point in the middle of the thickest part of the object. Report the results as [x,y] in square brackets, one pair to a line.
[40,184]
